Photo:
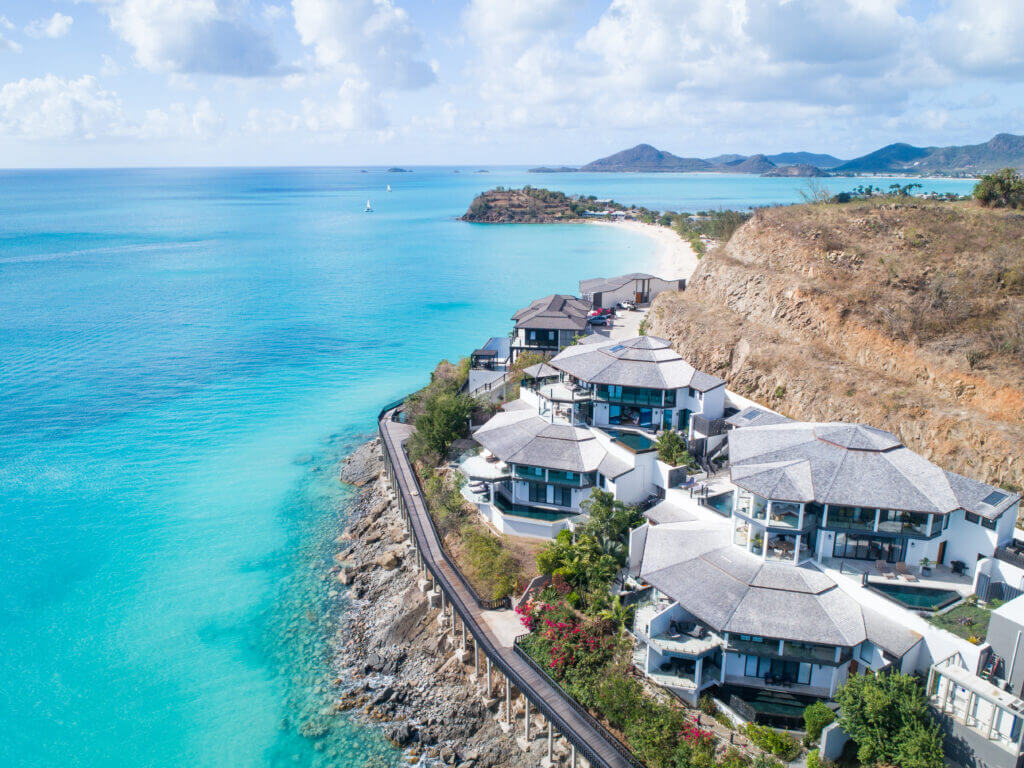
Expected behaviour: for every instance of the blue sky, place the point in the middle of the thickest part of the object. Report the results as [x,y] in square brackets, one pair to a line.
[353,82]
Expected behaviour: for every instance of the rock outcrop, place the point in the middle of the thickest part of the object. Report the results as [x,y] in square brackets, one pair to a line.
[908,316]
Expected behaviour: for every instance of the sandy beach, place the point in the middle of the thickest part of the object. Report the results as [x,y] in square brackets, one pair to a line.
[674,258]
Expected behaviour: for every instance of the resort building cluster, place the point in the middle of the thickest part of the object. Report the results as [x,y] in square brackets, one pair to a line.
[785,557]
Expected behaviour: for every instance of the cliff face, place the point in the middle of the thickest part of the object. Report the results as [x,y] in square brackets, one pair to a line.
[909,317]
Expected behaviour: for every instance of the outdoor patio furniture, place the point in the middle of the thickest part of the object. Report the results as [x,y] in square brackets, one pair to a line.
[901,569]
[959,567]
[696,632]
[883,568]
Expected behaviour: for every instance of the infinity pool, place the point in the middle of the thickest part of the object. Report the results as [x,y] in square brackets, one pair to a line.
[632,441]
[916,598]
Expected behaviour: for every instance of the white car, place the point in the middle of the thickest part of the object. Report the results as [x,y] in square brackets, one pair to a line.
[627,304]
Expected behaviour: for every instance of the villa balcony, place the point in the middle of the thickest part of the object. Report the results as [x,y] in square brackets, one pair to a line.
[790,651]
[677,678]
[761,683]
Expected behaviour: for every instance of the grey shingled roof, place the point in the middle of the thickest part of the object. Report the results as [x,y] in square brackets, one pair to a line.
[557,312]
[851,465]
[539,371]
[523,437]
[696,564]
[755,417]
[596,284]
[640,361]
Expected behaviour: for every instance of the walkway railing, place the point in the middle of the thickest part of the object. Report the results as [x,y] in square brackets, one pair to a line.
[589,741]
[579,708]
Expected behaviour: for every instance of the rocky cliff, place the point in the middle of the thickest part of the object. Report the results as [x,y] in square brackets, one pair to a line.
[905,315]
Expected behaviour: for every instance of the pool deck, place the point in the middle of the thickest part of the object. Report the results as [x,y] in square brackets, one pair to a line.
[941,576]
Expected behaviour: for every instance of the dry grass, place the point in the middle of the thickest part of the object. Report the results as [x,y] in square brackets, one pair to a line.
[909,316]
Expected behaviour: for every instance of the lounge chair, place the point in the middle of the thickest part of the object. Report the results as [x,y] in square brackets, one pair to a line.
[901,569]
[883,568]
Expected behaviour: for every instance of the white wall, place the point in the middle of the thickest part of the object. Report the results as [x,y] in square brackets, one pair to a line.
[966,541]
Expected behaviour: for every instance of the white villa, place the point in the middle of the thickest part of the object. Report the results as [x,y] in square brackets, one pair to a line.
[814,555]
[583,420]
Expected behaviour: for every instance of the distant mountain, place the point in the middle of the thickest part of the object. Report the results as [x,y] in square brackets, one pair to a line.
[1001,151]
[805,158]
[725,159]
[893,157]
[644,157]
[753,164]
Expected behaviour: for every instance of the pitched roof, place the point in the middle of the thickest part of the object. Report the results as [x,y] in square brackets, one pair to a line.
[555,312]
[640,361]
[752,416]
[539,371]
[523,437]
[851,465]
[696,564]
[597,284]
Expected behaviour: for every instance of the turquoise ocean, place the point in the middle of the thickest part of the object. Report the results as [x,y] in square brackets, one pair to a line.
[185,356]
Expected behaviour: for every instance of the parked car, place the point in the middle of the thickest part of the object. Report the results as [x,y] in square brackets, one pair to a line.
[600,311]
[598,319]
[627,304]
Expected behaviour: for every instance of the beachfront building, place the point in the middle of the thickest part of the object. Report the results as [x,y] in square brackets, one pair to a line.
[813,562]
[638,287]
[536,473]
[721,617]
[850,492]
[488,366]
[548,325]
[639,382]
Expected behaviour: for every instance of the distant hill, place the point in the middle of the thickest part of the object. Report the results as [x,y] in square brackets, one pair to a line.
[806,158]
[644,157]
[798,170]
[725,159]
[753,164]
[1001,151]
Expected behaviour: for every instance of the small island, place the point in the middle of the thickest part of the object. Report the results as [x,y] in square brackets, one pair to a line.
[399,170]
[531,205]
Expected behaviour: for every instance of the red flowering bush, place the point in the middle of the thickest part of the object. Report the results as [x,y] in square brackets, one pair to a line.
[563,641]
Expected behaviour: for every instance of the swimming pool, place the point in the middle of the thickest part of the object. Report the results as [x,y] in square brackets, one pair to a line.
[916,598]
[632,441]
[722,503]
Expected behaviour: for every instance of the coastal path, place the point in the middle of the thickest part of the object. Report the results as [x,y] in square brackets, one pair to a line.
[585,734]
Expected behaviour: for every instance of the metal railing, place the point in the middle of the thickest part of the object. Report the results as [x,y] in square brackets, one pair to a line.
[480,637]
[621,748]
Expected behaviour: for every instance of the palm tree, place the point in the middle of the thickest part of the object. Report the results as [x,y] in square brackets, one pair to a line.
[616,612]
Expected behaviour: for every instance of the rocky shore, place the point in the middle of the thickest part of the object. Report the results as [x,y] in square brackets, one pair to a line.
[396,665]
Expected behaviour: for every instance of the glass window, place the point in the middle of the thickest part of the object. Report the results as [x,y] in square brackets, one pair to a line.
[538,493]
[988,523]
[750,666]
[670,397]
[970,517]
[851,518]
[867,651]
[563,496]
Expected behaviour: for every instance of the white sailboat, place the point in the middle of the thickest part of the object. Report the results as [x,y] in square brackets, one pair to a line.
[369,208]
[389,187]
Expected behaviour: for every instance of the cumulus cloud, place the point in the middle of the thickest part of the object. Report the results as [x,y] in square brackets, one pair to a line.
[178,121]
[56,26]
[52,107]
[980,40]
[371,40]
[9,45]
[192,37]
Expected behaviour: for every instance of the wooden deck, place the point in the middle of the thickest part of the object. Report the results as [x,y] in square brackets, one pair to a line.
[597,746]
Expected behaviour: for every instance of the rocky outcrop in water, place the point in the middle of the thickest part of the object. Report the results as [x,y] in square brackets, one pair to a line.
[395,663]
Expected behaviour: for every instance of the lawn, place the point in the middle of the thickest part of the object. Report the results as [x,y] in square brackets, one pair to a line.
[966,620]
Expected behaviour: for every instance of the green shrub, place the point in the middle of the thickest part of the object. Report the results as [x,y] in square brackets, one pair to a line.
[779,744]
[1002,189]
[816,717]
[814,759]
[707,705]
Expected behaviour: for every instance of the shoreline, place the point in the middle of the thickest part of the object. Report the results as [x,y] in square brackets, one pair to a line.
[674,258]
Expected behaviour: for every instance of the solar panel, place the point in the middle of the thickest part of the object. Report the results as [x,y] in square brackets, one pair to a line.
[993,498]
[616,348]
[751,415]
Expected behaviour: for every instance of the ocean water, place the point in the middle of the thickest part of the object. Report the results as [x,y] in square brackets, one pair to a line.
[185,355]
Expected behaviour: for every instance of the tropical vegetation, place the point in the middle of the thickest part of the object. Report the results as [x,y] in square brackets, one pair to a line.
[1002,189]
[887,717]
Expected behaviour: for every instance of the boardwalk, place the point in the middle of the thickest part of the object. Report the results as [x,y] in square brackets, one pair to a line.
[585,734]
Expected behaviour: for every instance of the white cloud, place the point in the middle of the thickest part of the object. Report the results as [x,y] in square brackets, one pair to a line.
[980,40]
[52,107]
[371,40]
[178,121]
[6,23]
[274,13]
[110,68]
[192,36]
[56,26]
[9,45]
